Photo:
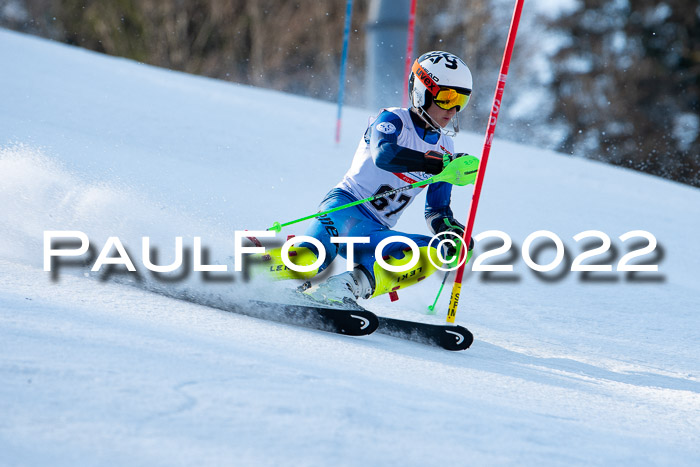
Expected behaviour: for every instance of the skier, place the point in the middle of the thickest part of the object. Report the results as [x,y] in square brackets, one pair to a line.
[401,146]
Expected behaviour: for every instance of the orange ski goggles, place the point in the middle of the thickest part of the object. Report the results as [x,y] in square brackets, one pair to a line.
[448,98]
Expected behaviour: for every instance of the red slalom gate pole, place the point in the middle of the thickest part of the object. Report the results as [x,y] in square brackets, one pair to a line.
[409,51]
[493,118]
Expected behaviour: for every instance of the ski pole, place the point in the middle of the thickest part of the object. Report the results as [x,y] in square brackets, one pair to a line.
[431,308]
[490,129]
[461,171]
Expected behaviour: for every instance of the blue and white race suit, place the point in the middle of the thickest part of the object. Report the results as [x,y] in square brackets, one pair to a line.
[389,156]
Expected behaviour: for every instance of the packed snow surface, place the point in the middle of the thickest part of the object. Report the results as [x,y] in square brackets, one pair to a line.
[567,368]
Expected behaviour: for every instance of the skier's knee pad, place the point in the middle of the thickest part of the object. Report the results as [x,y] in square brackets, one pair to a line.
[389,281]
[271,265]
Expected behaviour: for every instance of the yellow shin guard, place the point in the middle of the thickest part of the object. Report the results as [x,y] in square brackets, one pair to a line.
[388,281]
[270,264]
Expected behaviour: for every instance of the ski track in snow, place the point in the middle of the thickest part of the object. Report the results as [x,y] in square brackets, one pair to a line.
[159,368]
[100,372]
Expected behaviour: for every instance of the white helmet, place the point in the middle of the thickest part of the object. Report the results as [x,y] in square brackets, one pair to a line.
[435,71]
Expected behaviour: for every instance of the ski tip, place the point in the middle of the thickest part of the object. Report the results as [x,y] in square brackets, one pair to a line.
[352,322]
[456,338]
[276,227]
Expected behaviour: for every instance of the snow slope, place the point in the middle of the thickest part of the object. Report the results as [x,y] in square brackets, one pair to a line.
[564,370]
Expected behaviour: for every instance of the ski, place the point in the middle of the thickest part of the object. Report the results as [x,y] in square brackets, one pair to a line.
[342,318]
[351,322]
[449,337]
[357,321]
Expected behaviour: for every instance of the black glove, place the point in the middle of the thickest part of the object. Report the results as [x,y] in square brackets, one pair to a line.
[435,161]
[445,229]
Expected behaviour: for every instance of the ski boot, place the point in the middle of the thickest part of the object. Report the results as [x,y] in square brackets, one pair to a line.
[342,289]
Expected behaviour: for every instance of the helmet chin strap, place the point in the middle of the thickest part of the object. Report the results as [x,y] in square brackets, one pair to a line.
[433,124]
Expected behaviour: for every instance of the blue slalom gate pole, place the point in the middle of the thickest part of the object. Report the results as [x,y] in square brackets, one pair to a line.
[343,63]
